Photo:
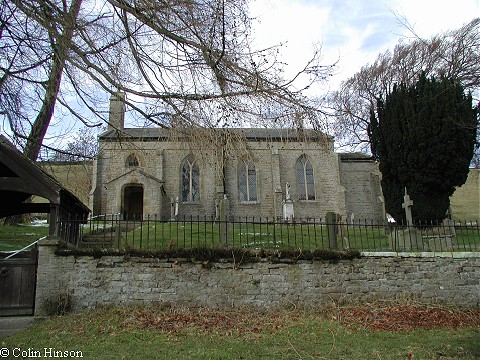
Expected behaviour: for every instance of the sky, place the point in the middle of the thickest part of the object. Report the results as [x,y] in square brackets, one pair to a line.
[352,32]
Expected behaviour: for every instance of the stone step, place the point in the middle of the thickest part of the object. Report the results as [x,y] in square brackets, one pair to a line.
[13,324]
[106,237]
[97,241]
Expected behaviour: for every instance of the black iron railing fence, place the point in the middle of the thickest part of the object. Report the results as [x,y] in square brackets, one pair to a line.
[154,233]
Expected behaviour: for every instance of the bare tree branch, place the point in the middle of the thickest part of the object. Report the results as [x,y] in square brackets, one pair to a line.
[455,54]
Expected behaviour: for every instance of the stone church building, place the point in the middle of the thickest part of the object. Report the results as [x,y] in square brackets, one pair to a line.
[235,173]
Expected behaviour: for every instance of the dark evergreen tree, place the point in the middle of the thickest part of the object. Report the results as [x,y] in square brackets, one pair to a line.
[423,136]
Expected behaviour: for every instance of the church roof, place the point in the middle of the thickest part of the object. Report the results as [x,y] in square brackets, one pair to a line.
[355,157]
[252,134]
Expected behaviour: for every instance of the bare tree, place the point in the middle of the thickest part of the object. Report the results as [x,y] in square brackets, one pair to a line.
[454,54]
[35,46]
[82,146]
[181,63]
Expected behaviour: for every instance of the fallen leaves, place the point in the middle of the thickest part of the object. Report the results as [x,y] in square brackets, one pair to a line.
[209,320]
[405,317]
[388,316]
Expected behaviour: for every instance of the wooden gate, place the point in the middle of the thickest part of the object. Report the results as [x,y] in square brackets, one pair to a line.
[18,278]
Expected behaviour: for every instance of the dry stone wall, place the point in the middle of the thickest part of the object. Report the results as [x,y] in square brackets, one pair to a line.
[445,278]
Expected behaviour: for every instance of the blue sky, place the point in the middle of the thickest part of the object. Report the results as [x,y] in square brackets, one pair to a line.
[351,31]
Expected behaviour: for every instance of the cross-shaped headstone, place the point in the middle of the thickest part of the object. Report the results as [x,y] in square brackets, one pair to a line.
[407,205]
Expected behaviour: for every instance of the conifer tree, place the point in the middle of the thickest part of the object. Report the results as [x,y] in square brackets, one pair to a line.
[423,135]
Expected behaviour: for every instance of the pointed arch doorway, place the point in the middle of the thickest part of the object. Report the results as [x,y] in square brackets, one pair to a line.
[133,202]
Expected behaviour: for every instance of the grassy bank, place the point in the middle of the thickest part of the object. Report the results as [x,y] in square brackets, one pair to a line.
[163,332]
[16,237]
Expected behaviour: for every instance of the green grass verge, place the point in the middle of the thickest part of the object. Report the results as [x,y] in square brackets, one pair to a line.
[18,236]
[129,333]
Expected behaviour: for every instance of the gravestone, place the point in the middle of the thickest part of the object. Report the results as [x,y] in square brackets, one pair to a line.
[439,238]
[176,208]
[288,210]
[224,217]
[409,238]
[332,229]
[173,209]
[407,205]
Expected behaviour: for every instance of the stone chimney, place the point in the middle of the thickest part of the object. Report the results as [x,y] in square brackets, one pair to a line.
[116,118]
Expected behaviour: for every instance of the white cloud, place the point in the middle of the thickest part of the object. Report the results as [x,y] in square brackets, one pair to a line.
[273,25]
[354,31]
[430,17]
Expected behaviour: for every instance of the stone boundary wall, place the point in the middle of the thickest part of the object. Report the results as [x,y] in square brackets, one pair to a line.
[448,278]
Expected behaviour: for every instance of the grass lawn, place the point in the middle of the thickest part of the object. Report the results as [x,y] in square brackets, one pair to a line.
[248,333]
[158,235]
[16,237]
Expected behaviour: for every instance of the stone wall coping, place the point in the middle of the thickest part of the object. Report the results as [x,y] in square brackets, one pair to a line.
[371,254]
[49,241]
[430,254]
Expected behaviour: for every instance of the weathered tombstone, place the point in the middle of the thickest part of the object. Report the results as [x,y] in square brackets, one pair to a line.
[176,208]
[440,238]
[288,210]
[448,222]
[332,229]
[172,209]
[409,238]
[407,205]
[224,214]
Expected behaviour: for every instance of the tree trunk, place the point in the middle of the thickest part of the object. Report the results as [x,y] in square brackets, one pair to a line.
[60,45]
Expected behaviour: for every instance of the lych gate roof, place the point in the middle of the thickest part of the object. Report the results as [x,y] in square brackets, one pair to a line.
[20,178]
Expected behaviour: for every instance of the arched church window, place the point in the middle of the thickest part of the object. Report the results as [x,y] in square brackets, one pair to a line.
[132,161]
[190,180]
[305,179]
[247,182]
